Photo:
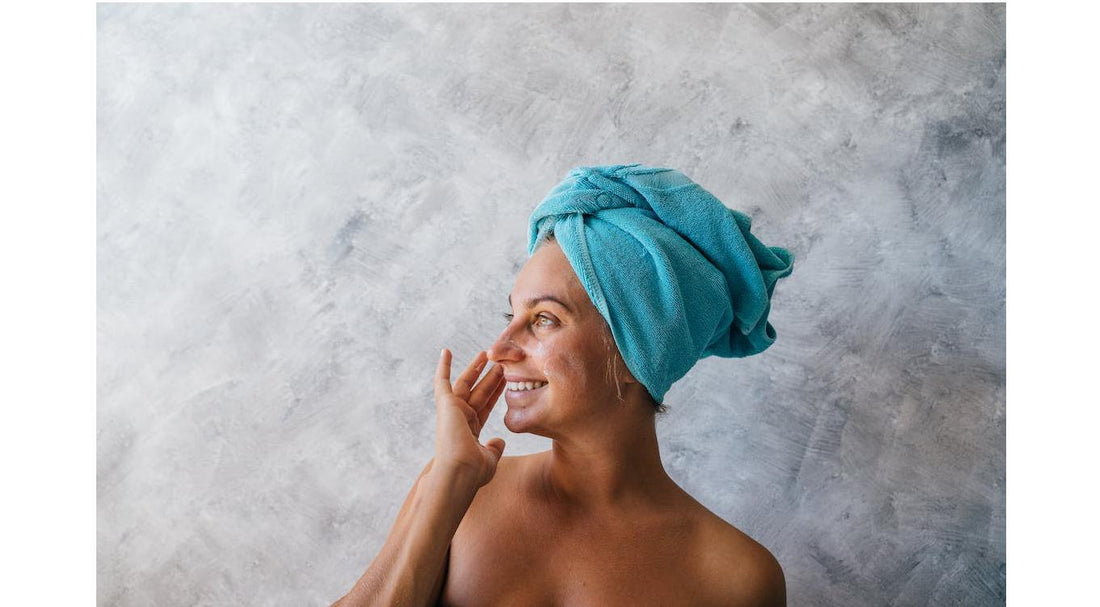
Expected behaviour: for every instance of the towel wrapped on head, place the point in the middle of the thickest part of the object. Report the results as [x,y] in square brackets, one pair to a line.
[676,274]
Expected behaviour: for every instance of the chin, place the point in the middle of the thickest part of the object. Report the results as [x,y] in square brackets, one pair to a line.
[517,420]
[520,420]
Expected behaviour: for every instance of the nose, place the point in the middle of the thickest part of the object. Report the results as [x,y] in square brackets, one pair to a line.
[504,348]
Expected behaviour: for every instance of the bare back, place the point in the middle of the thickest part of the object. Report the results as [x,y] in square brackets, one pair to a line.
[514,547]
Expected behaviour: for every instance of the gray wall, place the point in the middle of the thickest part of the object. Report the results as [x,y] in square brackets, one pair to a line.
[298,206]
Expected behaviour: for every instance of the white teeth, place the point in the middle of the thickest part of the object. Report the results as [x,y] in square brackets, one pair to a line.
[525,385]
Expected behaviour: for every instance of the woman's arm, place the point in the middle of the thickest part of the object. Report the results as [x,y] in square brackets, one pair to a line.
[410,568]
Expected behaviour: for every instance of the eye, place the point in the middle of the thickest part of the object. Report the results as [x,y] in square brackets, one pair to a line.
[550,321]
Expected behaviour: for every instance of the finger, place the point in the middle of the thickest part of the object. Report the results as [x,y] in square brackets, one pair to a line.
[485,387]
[487,408]
[443,374]
[496,447]
[469,376]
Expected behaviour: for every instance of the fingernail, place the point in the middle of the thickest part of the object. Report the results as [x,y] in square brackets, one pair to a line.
[442,352]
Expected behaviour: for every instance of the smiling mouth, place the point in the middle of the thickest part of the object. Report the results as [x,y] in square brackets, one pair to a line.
[525,386]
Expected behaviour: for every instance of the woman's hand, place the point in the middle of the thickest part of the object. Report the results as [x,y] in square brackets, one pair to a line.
[461,411]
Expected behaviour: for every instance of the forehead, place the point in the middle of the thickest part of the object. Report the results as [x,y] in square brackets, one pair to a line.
[548,272]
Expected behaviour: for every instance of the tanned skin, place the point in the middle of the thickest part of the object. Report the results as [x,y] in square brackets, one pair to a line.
[595,520]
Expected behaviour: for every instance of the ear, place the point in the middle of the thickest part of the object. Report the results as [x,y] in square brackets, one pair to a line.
[625,376]
[628,377]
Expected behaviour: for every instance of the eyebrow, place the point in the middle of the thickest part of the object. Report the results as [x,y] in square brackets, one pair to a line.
[536,299]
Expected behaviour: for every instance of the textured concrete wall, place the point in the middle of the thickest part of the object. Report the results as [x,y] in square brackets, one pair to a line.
[299,205]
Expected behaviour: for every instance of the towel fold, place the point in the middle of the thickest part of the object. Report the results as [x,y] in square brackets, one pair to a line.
[676,274]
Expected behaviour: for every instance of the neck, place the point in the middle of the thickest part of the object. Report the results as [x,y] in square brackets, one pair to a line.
[608,469]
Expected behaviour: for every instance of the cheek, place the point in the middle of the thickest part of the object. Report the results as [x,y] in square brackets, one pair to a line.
[566,366]
[543,354]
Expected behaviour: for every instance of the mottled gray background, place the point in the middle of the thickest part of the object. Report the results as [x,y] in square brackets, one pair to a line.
[298,206]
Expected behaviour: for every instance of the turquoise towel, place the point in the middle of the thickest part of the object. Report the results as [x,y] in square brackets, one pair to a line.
[675,273]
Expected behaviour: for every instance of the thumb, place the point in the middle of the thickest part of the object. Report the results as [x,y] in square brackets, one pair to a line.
[496,446]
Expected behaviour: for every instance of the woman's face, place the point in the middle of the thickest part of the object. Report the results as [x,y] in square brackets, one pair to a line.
[561,343]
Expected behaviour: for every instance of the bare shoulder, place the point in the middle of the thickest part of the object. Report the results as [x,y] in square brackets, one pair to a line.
[510,470]
[502,490]
[740,570]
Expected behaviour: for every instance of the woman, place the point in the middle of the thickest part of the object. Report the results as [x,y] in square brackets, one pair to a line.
[634,274]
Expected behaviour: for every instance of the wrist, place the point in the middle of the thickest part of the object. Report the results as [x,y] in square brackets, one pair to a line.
[453,477]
